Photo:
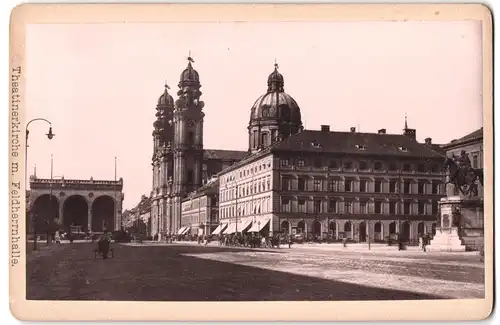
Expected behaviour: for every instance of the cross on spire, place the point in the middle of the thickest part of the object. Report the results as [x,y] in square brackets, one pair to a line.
[166,84]
[276,66]
[190,59]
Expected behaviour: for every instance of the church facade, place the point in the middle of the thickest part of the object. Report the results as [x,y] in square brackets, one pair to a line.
[180,163]
[361,186]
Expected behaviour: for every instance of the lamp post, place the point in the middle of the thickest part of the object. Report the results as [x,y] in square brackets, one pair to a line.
[50,136]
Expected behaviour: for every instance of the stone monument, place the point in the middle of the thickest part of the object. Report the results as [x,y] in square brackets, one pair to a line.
[461,224]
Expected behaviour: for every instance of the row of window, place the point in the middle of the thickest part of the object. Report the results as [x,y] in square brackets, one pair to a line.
[377,207]
[194,219]
[361,165]
[249,188]
[247,171]
[246,208]
[335,185]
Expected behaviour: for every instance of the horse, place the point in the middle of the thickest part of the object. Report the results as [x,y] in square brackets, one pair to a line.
[463,177]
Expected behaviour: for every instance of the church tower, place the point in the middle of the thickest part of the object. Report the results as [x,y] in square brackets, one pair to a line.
[162,161]
[188,141]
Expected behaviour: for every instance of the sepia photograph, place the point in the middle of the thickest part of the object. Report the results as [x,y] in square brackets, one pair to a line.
[208,157]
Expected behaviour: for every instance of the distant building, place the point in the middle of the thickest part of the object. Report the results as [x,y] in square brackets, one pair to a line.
[472,143]
[91,205]
[200,210]
[138,219]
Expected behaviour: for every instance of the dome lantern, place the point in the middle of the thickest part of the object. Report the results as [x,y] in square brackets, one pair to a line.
[275,81]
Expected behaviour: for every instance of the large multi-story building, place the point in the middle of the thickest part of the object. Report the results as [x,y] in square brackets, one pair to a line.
[180,163]
[348,184]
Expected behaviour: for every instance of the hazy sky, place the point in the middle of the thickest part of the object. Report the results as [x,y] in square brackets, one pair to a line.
[99,83]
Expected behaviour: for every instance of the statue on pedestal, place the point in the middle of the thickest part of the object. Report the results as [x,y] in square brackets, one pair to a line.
[462,175]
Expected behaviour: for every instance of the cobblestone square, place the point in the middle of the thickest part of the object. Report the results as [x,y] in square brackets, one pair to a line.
[182,272]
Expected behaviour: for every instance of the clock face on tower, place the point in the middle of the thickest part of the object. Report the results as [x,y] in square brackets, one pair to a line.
[190,123]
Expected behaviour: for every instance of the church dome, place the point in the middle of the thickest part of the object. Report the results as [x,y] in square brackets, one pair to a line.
[166,99]
[190,74]
[276,104]
[274,116]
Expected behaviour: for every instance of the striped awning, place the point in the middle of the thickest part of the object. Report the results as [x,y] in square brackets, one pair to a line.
[231,229]
[256,227]
[239,227]
[186,229]
[219,229]
[181,230]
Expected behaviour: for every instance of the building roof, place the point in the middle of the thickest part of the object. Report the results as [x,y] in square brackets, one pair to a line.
[211,187]
[355,143]
[219,154]
[438,148]
[471,137]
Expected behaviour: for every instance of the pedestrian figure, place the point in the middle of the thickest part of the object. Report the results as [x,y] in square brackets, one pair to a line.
[103,245]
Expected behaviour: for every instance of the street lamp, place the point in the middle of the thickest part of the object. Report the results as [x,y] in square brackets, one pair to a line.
[50,136]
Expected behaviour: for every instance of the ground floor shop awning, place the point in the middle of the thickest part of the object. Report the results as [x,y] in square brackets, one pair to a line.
[231,229]
[219,229]
[258,225]
[237,227]
[244,226]
[181,230]
[185,230]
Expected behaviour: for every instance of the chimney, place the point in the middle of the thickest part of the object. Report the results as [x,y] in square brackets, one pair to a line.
[428,141]
[382,131]
[325,128]
[353,130]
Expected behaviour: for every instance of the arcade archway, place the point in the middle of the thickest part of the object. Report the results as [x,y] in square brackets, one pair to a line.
[348,230]
[285,227]
[316,229]
[301,227]
[103,214]
[75,212]
[362,232]
[44,213]
[392,228]
[405,231]
[377,232]
[332,228]
[421,229]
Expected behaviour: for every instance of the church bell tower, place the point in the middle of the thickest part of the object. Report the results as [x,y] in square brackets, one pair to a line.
[188,140]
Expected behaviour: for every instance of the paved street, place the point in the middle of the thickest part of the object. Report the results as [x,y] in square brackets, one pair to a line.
[182,272]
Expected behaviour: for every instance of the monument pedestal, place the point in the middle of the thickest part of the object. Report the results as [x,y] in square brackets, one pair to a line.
[447,238]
